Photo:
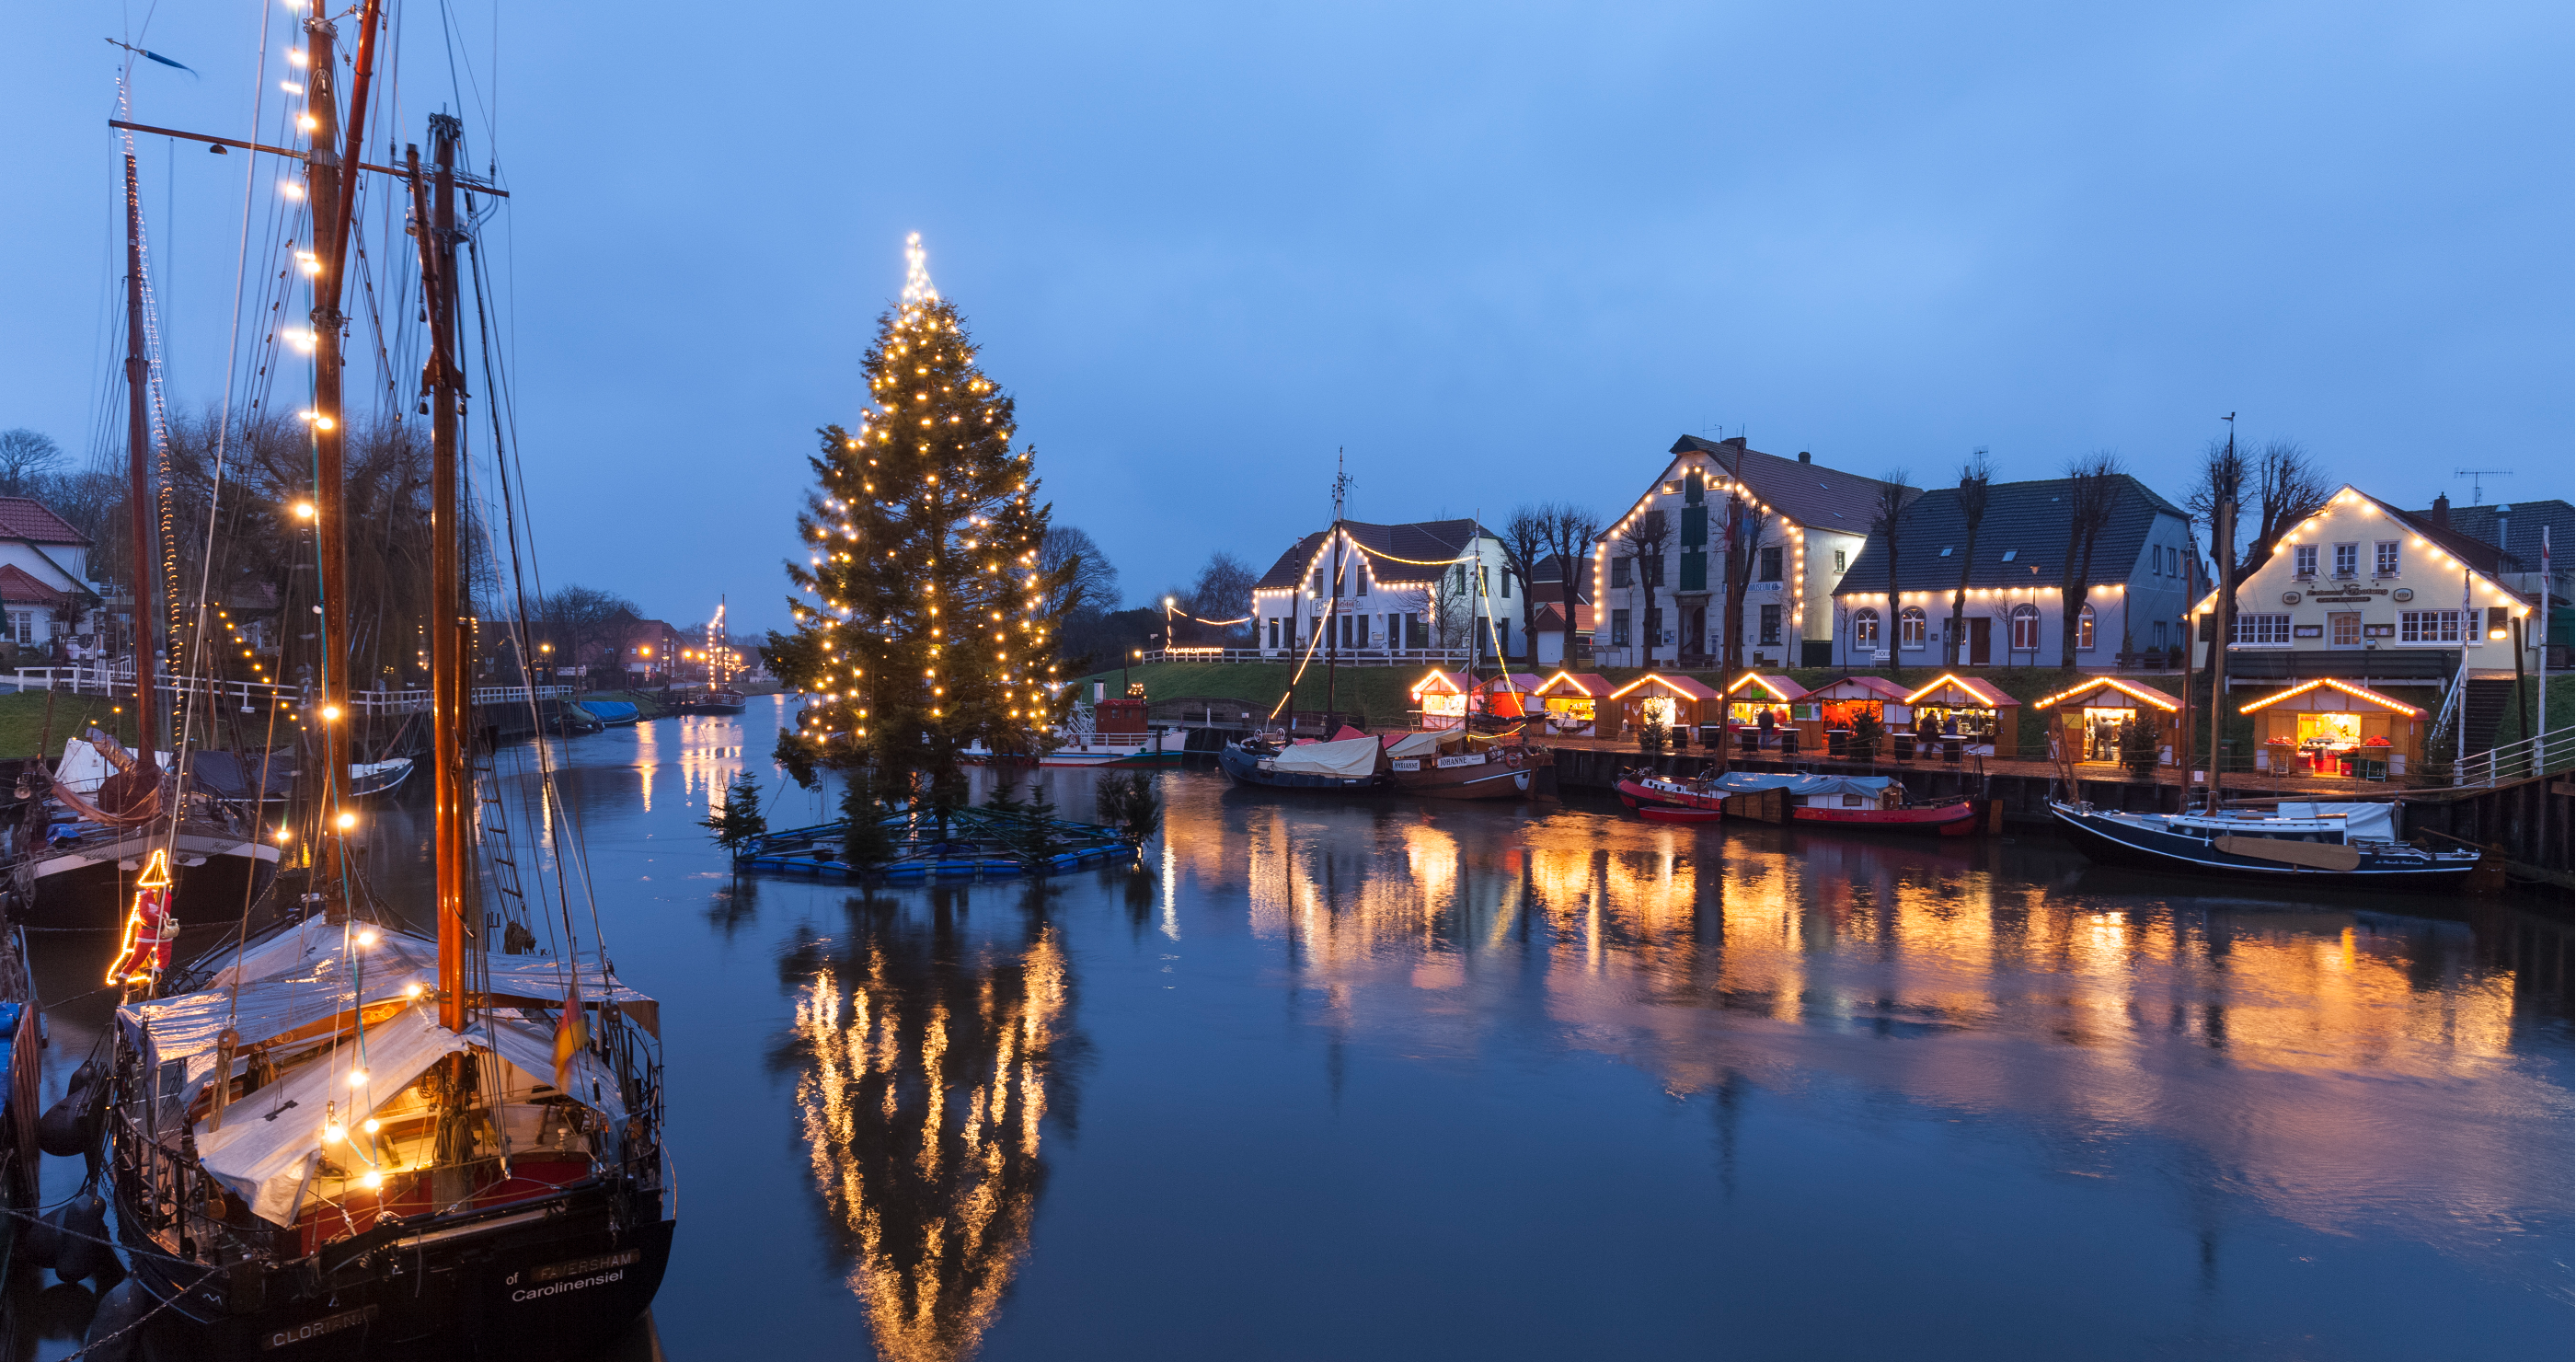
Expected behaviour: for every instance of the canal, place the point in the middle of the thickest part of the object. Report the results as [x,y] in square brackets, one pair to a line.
[1422,1080]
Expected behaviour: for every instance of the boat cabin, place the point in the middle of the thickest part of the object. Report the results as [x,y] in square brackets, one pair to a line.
[1569,699]
[1679,703]
[2089,715]
[1441,698]
[1969,708]
[2330,726]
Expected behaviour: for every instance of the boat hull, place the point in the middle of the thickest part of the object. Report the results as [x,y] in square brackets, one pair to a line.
[1931,820]
[546,1286]
[1665,813]
[86,886]
[1497,777]
[1142,752]
[1245,769]
[2114,842]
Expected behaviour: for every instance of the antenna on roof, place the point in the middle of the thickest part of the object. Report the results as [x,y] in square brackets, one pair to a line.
[2476,487]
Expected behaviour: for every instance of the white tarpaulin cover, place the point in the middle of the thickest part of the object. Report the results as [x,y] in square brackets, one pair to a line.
[270,1139]
[1418,744]
[1349,759]
[2361,822]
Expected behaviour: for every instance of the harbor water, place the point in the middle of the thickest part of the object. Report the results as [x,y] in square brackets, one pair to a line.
[1409,1079]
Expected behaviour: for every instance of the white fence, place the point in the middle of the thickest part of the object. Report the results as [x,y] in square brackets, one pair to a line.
[253,695]
[2519,760]
[1350,657]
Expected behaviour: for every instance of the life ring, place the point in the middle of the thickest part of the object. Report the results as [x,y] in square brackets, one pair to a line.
[1511,756]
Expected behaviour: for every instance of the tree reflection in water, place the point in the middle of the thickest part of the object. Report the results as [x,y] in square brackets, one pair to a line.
[929,1057]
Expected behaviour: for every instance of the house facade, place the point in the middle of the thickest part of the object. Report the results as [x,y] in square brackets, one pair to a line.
[1361,590]
[1671,609]
[45,592]
[2141,575]
[2365,592]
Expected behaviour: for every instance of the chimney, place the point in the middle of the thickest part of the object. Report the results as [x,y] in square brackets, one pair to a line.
[2442,512]
[1805,457]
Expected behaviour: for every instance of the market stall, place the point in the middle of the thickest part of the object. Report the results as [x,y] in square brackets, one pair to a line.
[1508,695]
[1756,697]
[1844,703]
[2090,713]
[1972,715]
[2333,727]
[1679,703]
[1441,698]
[1569,699]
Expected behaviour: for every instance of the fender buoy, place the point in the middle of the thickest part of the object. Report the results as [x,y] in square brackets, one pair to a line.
[85,1252]
[65,1128]
[43,1242]
[111,1336]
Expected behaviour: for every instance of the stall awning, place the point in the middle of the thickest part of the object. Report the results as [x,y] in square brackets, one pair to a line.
[1575,683]
[1962,692]
[1682,687]
[1752,686]
[1877,688]
[2095,685]
[2362,693]
[1438,682]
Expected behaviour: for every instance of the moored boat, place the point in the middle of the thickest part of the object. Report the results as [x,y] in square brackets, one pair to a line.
[1353,765]
[2351,844]
[1452,763]
[1868,803]
[713,700]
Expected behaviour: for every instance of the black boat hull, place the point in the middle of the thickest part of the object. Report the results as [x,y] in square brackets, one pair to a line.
[2143,850]
[552,1287]
[1245,769]
[95,895]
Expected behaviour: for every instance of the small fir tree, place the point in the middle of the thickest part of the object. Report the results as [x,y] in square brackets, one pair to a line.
[866,844]
[1650,736]
[1866,735]
[1127,802]
[926,622]
[2138,748]
[738,821]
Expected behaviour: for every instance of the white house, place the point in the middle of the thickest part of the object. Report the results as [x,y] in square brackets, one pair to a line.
[1360,589]
[44,574]
[1813,521]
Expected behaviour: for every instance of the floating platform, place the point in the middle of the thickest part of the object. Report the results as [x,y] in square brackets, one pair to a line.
[979,844]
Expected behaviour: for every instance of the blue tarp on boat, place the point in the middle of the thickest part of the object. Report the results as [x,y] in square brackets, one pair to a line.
[1755,782]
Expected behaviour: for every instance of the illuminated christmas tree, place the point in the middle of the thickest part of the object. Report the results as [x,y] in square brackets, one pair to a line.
[924,623]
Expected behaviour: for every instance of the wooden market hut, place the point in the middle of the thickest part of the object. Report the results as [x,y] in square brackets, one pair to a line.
[1973,709]
[2333,727]
[1752,695]
[2090,712]
[1569,699]
[1682,703]
[1508,694]
[1844,701]
[1440,698]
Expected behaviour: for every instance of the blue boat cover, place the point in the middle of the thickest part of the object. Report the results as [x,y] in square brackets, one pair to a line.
[1754,782]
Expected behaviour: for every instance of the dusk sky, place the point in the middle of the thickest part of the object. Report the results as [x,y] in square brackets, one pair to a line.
[1497,253]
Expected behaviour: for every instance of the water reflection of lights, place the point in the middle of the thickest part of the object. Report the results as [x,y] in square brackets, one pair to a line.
[927,1068]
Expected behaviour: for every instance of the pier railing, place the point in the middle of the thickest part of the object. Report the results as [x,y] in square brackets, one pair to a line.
[252,695]
[2521,759]
[1350,657]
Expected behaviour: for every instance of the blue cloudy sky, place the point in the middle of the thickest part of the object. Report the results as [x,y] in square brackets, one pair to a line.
[1497,252]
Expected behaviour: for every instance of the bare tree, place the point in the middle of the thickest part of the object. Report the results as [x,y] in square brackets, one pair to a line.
[1886,517]
[1452,606]
[1526,538]
[2093,484]
[1094,582]
[1976,476]
[1570,532]
[2286,488]
[1745,524]
[1647,537]
[1222,592]
[582,616]
[27,457]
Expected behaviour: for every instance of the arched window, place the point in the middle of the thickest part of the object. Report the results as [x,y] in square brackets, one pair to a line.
[2084,628]
[2025,628]
[1864,628]
[1911,627]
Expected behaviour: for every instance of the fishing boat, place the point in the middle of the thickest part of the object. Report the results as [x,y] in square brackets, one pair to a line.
[2310,843]
[1866,803]
[1452,763]
[719,697]
[22,1063]
[338,1137]
[612,713]
[90,822]
[1348,765]
[1113,733]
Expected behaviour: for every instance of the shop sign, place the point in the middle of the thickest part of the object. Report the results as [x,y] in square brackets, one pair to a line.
[2347,593]
[2308,631]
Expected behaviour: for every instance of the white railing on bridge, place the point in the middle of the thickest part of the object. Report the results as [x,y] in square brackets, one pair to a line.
[1350,657]
[2520,759]
[109,681]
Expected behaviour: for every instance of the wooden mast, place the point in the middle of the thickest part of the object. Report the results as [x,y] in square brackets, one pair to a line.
[138,439]
[434,225]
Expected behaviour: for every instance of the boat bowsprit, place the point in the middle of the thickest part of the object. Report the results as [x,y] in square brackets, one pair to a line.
[2352,844]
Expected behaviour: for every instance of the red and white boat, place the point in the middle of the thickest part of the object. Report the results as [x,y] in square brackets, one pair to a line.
[1872,803]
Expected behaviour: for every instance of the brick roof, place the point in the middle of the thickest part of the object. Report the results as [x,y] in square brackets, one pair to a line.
[17,587]
[29,519]
[1816,496]
[2024,519]
[1419,541]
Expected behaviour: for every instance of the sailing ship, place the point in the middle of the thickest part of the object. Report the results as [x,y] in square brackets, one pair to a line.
[89,823]
[2353,845]
[1345,765]
[718,697]
[1454,763]
[337,1135]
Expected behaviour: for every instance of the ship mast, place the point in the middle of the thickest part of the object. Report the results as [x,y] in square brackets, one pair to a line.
[434,225]
[333,188]
[138,438]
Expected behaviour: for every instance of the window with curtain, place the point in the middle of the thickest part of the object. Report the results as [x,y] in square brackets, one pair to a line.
[1913,627]
[1864,628]
[2084,628]
[2025,628]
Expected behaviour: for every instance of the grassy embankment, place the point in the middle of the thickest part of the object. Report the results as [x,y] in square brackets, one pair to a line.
[2562,709]
[22,721]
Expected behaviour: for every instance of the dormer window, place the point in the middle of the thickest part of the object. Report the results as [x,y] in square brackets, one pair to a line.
[2303,561]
